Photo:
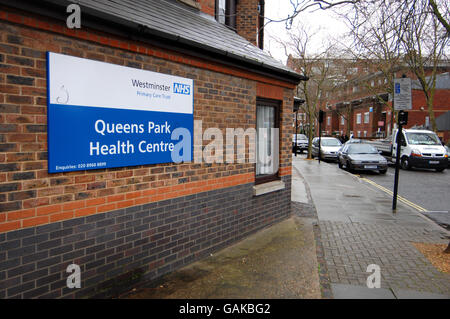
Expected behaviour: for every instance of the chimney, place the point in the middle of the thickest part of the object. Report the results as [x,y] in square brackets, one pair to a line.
[250,20]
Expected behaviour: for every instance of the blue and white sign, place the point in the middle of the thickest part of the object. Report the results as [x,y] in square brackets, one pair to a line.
[402,94]
[103,115]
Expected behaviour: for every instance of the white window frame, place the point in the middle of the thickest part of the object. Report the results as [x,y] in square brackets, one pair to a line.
[358,118]
[366,117]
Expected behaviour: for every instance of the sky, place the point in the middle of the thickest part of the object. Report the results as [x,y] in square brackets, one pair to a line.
[327,22]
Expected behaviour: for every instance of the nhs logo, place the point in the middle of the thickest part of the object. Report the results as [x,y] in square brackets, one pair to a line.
[181,88]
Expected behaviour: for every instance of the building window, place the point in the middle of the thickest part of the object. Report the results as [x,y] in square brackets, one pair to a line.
[355,89]
[226,12]
[267,142]
[358,118]
[366,117]
[329,120]
[365,133]
[342,120]
[359,133]
[220,11]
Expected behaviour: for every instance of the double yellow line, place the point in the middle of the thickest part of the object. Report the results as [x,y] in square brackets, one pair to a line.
[403,200]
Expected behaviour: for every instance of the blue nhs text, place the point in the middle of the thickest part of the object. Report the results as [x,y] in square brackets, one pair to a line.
[181,88]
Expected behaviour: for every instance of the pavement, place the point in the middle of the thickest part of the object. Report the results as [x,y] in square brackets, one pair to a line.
[358,228]
[339,226]
[277,262]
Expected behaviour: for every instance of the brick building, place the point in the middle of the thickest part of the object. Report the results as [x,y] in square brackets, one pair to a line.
[370,117]
[127,224]
[353,91]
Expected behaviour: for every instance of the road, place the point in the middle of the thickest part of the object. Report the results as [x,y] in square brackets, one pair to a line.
[425,190]
[428,189]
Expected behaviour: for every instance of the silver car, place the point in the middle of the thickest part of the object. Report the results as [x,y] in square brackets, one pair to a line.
[329,148]
[361,157]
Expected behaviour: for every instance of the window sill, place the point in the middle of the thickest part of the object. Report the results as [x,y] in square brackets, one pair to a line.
[269,187]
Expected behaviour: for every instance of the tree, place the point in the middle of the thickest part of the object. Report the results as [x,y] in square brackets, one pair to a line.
[317,67]
[399,37]
[424,42]
[440,9]
[374,29]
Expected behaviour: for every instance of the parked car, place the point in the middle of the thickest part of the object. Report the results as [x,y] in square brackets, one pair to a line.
[361,157]
[418,148]
[302,143]
[353,141]
[329,148]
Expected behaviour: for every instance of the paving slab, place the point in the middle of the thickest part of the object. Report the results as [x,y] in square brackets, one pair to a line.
[342,291]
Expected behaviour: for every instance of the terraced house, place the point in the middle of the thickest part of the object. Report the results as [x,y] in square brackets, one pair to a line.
[82,178]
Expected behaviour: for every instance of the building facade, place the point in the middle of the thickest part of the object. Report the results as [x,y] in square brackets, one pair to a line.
[128,224]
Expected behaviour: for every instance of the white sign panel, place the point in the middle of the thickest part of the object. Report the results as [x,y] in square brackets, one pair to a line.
[402,94]
[104,115]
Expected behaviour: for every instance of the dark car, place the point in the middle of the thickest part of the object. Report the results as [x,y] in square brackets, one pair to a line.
[361,157]
[302,143]
[350,141]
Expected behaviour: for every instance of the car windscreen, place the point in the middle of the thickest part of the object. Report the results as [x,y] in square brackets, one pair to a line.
[422,138]
[331,142]
[362,149]
[300,137]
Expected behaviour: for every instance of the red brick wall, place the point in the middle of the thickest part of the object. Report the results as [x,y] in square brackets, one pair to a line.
[208,6]
[368,127]
[441,105]
[247,19]
[224,97]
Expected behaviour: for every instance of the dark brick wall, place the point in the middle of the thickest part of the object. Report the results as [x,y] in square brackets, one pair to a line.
[119,249]
[30,196]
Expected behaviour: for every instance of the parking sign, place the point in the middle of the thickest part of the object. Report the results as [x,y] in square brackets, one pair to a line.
[402,94]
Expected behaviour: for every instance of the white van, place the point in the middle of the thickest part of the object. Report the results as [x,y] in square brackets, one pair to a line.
[420,148]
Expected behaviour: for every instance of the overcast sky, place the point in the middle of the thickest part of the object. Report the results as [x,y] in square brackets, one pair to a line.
[326,20]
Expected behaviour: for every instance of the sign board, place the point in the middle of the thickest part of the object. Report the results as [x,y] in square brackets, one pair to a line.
[402,94]
[103,115]
[381,123]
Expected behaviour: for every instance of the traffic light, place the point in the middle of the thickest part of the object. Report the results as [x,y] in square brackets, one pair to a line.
[402,118]
[321,113]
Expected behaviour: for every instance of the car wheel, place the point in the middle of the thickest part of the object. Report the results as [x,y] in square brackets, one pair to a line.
[383,171]
[440,169]
[349,167]
[405,163]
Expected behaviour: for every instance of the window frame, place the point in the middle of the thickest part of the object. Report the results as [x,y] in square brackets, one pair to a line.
[368,117]
[358,118]
[229,13]
[277,105]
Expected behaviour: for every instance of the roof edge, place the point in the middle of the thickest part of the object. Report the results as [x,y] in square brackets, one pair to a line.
[56,9]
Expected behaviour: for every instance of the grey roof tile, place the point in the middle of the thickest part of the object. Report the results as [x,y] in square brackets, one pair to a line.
[171,18]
